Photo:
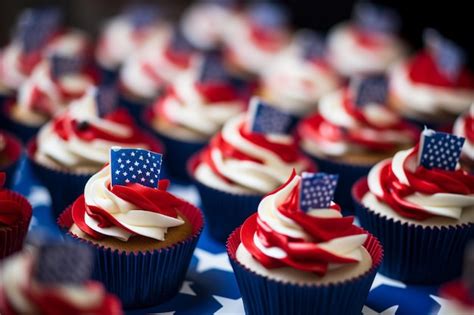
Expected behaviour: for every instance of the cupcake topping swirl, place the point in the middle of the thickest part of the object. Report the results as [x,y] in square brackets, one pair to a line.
[282,234]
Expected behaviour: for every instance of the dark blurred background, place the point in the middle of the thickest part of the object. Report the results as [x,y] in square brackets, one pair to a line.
[451,18]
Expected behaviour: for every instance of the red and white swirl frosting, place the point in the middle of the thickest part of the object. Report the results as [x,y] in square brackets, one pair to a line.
[424,89]
[342,127]
[21,294]
[282,235]
[69,142]
[240,161]
[296,84]
[464,127]
[196,110]
[123,211]
[154,66]
[417,193]
[353,51]
[11,211]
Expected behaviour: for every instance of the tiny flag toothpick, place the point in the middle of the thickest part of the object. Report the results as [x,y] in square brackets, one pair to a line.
[376,18]
[63,65]
[141,15]
[135,166]
[370,90]
[212,68]
[267,119]
[268,15]
[106,99]
[312,44]
[317,190]
[439,150]
[35,26]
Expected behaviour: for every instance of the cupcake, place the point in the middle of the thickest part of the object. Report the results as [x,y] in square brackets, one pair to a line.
[298,252]
[124,34]
[193,109]
[254,37]
[251,156]
[353,130]
[53,84]
[434,86]
[10,154]
[143,237]
[420,205]
[368,44]
[75,144]
[464,127]
[300,75]
[146,73]
[53,278]
[15,216]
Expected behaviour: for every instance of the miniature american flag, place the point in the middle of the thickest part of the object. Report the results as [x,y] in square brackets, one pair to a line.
[63,263]
[35,26]
[376,18]
[268,119]
[312,44]
[212,68]
[449,56]
[135,166]
[439,150]
[371,89]
[317,190]
[62,65]
[106,99]
[267,15]
[141,15]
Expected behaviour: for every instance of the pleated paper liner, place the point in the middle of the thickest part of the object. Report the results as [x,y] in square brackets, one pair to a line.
[224,211]
[262,295]
[415,253]
[13,152]
[143,279]
[13,236]
[23,131]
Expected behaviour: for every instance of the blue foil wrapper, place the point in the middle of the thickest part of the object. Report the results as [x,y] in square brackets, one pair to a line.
[262,295]
[143,279]
[414,253]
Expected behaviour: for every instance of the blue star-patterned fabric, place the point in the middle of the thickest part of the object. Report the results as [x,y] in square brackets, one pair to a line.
[268,119]
[106,99]
[268,15]
[62,65]
[317,190]
[141,15]
[135,166]
[63,263]
[440,150]
[449,57]
[376,18]
[312,44]
[370,90]
[35,26]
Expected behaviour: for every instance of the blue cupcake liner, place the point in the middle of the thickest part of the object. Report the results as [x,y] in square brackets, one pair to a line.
[143,279]
[22,131]
[414,253]
[134,106]
[64,186]
[348,175]
[262,295]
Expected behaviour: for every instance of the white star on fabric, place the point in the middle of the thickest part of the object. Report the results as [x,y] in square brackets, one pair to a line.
[186,288]
[39,196]
[380,279]
[389,311]
[229,306]
[208,261]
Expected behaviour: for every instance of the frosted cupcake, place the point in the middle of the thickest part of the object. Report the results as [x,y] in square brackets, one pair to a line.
[434,86]
[193,109]
[143,237]
[353,130]
[298,252]
[368,44]
[251,156]
[299,76]
[420,205]
[464,127]
[76,143]
[53,278]
[10,154]
[124,34]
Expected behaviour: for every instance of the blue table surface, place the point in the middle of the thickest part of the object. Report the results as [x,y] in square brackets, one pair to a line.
[210,286]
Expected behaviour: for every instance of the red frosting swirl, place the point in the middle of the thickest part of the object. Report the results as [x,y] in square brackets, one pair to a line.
[11,211]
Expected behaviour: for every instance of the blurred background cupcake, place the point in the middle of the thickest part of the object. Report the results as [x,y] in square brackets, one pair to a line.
[10,154]
[353,130]
[464,127]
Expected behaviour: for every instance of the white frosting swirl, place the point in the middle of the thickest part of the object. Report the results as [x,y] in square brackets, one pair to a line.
[139,221]
[351,58]
[73,43]
[459,130]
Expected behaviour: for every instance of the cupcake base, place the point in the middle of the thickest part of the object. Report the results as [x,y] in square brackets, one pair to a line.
[23,131]
[265,296]
[415,253]
[143,279]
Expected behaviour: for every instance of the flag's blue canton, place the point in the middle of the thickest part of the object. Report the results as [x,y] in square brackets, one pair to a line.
[374,18]
[135,166]
[213,69]
[449,56]
[62,65]
[440,150]
[312,44]
[141,15]
[268,15]
[63,263]
[372,89]
[106,99]
[317,190]
[35,26]
[269,120]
